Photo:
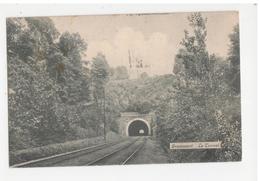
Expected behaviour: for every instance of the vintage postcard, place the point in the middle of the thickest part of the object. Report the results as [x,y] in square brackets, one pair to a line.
[124,89]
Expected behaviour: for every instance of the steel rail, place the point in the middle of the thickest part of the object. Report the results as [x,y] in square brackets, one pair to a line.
[111,154]
[95,148]
[134,153]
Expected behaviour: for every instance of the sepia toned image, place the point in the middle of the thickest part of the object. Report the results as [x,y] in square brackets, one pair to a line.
[124,89]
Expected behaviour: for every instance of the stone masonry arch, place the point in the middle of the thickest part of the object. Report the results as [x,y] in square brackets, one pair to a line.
[135,120]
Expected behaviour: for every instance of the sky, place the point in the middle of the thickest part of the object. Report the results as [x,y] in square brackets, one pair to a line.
[154,38]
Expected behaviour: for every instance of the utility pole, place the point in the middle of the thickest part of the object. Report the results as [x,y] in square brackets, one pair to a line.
[104,109]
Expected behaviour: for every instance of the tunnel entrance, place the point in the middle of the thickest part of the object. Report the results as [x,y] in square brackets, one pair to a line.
[138,128]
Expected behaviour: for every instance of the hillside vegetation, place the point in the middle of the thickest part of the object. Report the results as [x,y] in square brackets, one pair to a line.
[200,102]
[55,96]
[140,95]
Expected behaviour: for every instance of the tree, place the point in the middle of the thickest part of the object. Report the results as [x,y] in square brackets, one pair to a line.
[33,91]
[73,77]
[72,46]
[13,30]
[186,116]
[144,75]
[234,59]
[121,73]
[228,114]
[193,55]
[100,76]
[200,106]
[48,87]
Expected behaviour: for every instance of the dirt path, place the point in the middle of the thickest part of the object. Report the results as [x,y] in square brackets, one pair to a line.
[151,153]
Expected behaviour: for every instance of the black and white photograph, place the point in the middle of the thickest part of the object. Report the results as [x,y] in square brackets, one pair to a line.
[124,89]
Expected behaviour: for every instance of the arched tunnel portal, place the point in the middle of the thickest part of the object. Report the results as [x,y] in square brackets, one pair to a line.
[138,127]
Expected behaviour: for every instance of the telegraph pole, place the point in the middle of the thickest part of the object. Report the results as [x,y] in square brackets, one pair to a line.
[104,109]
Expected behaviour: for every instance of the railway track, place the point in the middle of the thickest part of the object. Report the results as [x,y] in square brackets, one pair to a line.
[130,157]
[123,157]
[89,152]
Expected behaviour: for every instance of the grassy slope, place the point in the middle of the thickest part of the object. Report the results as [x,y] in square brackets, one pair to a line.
[53,149]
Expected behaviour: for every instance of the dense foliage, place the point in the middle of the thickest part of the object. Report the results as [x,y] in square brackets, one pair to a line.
[54,98]
[140,95]
[205,103]
[199,102]
[119,73]
[50,91]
